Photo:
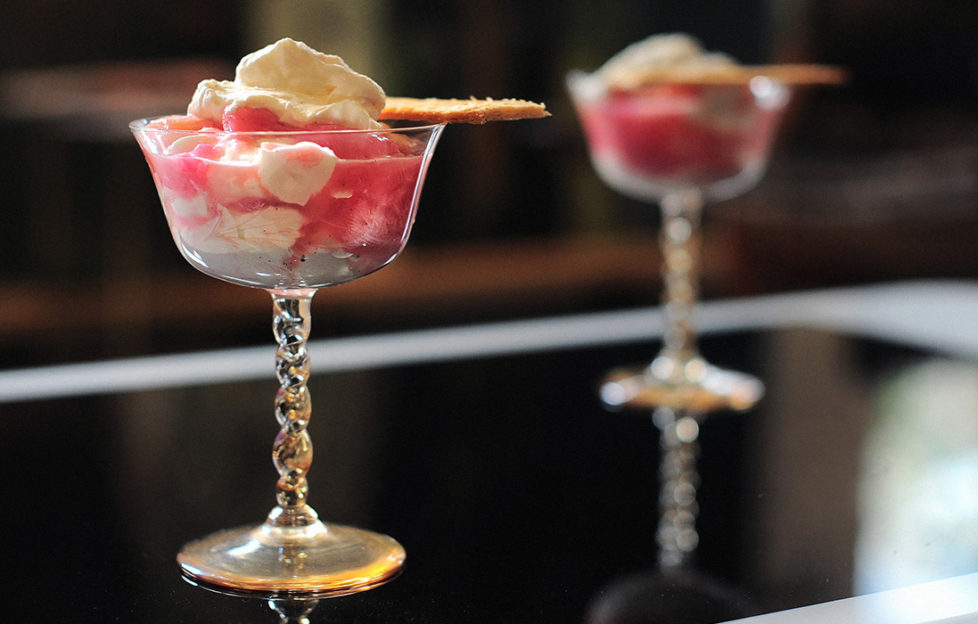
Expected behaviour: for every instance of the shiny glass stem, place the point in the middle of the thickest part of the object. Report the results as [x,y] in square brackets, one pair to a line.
[679,244]
[294,610]
[292,451]
[677,536]
[677,361]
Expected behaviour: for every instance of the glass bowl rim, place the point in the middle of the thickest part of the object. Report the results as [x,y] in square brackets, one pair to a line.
[140,125]
[585,87]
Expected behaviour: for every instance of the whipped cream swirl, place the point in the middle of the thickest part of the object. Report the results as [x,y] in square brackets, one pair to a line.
[298,84]
[660,51]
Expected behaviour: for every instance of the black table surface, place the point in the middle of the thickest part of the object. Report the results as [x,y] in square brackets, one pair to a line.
[516,495]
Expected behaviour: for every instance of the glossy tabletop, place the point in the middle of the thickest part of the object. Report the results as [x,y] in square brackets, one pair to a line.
[484,450]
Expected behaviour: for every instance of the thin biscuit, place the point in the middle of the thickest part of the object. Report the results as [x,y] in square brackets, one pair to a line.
[789,74]
[471,111]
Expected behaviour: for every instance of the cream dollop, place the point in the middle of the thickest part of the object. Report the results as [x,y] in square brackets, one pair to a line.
[668,50]
[297,83]
[294,173]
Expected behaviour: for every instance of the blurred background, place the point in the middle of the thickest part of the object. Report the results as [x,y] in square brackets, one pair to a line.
[875,181]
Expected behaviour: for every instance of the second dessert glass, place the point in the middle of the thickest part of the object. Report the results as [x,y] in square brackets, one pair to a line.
[290,213]
[680,146]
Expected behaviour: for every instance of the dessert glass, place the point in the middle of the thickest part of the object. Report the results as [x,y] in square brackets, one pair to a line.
[679,145]
[292,240]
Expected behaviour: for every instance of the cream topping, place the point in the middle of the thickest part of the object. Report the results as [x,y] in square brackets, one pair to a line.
[297,83]
[669,50]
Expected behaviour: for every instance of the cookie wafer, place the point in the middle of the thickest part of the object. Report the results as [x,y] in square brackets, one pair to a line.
[471,111]
[789,74]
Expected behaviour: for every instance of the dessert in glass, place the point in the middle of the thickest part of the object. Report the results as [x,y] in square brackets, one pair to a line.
[671,124]
[284,179]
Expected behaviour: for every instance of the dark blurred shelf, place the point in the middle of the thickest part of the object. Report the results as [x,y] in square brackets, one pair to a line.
[470,279]
[437,285]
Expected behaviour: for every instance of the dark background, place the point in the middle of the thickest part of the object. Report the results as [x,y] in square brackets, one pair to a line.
[869,182]
[516,495]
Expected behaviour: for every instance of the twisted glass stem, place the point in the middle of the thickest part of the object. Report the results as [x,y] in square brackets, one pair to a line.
[679,242]
[677,536]
[292,451]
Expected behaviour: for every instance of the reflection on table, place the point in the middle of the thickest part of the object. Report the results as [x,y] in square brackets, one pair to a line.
[484,450]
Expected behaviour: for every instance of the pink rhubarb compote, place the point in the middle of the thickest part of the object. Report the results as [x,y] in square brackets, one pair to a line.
[652,138]
[258,195]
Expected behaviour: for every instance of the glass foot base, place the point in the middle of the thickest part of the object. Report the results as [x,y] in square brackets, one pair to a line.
[701,388]
[318,560]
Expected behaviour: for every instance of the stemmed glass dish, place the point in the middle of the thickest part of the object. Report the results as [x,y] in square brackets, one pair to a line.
[679,145]
[290,212]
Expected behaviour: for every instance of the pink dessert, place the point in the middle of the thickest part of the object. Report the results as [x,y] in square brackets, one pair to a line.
[315,208]
[661,137]
[255,196]
[664,115]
